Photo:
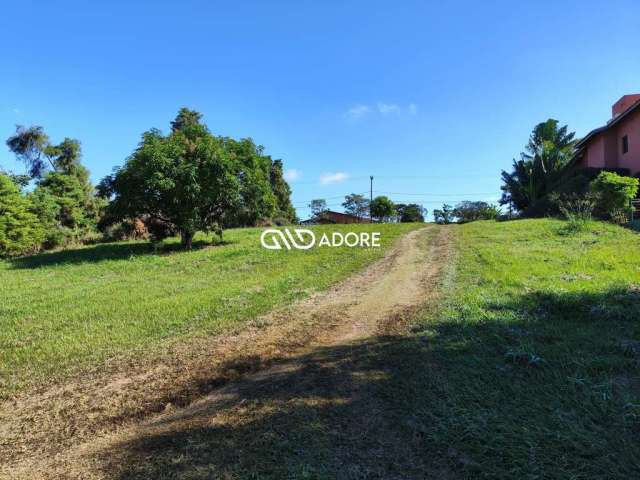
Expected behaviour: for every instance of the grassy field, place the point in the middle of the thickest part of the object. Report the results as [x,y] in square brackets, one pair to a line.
[530,366]
[526,367]
[527,364]
[78,307]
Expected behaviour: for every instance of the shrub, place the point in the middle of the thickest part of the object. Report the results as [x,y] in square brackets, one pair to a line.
[615,193]
[574,207]
[619,216]
[20,231]
[468,211]
[128,229]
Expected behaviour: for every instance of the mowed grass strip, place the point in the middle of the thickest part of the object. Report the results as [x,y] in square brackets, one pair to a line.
[530,366]
[63,310]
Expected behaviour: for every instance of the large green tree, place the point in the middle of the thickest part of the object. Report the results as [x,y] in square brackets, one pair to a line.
[445,215]
[411,212]
[253,170]
[187,179]
[282,191]
[66,206]
[20,229]
[382,208]
[549,149]
[63,197]
[356,205]
[470,211]
[318,206]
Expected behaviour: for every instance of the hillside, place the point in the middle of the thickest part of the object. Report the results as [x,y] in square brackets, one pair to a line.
[67,310]
[523,332]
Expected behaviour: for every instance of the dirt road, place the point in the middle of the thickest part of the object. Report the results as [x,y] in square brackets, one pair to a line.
[290,396]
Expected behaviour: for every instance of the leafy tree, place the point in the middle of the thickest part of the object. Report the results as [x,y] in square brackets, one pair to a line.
[20,230]
[186,179]
[66,207]
[282,191]
[356,205]
[411,213]
[445,215]
[32,146]
[615,193]
[185,118]
[21,181]
[468,211]
[253,171]
[63,198]
[318,206]
[549,149]
[382,208]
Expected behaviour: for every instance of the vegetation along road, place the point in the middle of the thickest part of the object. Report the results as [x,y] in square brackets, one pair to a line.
[398,363]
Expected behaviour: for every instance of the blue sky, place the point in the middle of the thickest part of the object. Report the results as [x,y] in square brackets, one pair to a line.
[432,99]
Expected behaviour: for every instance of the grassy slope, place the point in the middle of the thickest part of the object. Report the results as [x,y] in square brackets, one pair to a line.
[78,307]
[530,367]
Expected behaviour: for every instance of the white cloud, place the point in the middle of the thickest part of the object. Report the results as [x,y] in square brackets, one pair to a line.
[358,111]
[329,178]
[292,175]
[387,108]
[16,111]
[381,108]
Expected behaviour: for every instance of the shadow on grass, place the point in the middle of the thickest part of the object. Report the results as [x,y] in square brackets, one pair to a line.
[104,251]
[320,415]
[545,394]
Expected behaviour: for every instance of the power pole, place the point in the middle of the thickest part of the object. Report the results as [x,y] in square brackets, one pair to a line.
[370,198]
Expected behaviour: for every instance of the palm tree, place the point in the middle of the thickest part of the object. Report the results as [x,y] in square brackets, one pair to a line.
[549,149]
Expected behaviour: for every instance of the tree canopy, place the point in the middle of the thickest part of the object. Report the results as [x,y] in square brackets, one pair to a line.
[382,208]
[356,205]
[412,212]
[20,230]
[318,206]
[192,180]
[32,146]
[469,211]
[445,215]
[548,150]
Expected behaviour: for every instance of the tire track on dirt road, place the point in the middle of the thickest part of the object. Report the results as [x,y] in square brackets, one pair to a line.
[300,364]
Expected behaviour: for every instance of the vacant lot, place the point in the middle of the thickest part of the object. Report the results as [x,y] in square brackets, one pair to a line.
[66,310]
[530,366]
[488,350]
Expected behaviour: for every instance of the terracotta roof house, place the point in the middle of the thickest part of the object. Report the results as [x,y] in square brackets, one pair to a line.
[331,217]
[616,145]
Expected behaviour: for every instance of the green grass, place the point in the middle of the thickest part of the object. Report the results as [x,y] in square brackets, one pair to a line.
[64,310]
[530,366]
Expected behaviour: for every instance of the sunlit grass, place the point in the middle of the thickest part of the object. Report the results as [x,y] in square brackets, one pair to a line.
[531,362]
[72,308]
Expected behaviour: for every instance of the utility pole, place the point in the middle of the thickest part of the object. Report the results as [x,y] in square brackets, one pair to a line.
[370,198]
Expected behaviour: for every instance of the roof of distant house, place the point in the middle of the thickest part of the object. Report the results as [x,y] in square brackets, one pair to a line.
[614,121]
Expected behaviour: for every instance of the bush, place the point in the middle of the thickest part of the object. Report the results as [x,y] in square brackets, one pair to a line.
[615,193]
[468,211]
[574,207]
[128,229]
[619,216]
[20,230]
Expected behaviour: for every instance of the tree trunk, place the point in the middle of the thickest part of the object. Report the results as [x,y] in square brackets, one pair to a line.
[186,239]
